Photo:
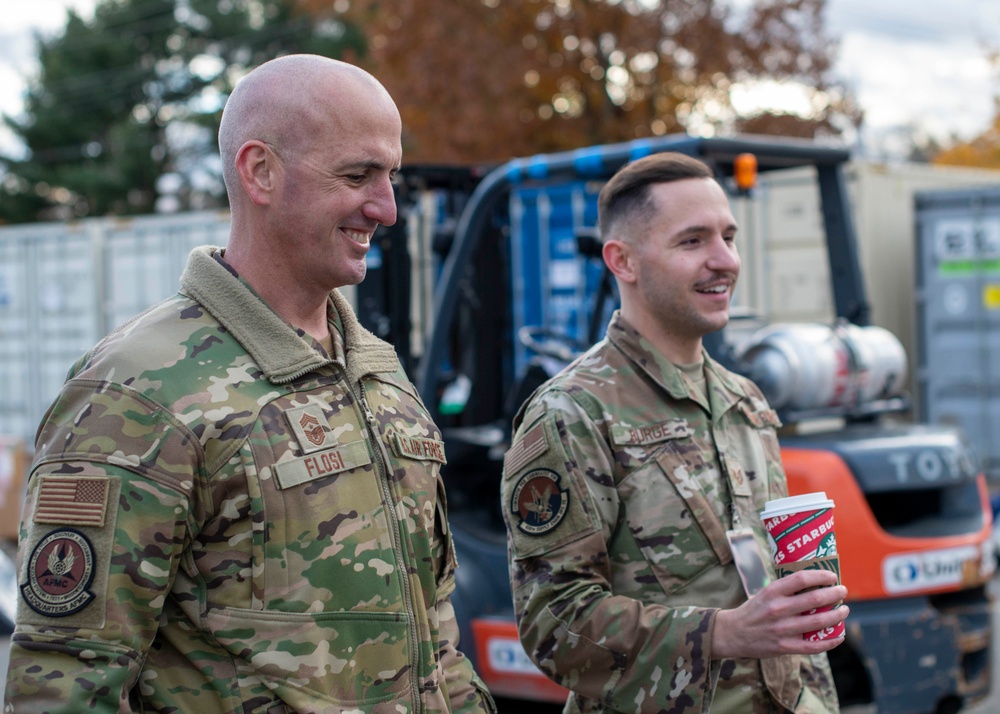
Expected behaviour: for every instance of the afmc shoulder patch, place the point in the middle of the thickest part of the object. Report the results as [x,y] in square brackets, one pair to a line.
[539,503]
[60,571]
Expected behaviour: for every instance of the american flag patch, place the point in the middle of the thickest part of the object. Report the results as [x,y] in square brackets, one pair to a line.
[530,447]
[76,501]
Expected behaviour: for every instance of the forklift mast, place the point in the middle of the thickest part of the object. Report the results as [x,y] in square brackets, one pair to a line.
[600,163]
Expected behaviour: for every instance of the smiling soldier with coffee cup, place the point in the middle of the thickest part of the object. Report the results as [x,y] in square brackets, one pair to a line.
[635,481]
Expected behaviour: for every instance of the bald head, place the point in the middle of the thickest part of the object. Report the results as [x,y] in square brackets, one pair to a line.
[285,102]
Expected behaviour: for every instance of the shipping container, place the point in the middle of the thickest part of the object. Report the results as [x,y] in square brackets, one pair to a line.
[63,286]
[958,314]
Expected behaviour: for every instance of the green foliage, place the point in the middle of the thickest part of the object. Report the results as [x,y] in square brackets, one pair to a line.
[136,93]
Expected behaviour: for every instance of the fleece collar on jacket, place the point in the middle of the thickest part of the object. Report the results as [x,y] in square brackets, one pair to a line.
[270,341]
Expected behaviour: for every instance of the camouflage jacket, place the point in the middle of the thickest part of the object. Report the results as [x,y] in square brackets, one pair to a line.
[221,518]
[618,490]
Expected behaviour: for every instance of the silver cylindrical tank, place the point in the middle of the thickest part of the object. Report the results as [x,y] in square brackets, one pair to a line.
[816,366]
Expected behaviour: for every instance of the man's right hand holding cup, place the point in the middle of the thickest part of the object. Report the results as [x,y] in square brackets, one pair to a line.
[774,621]
[802,612]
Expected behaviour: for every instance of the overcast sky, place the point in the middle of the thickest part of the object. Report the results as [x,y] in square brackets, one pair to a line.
[919,62]
[911,63]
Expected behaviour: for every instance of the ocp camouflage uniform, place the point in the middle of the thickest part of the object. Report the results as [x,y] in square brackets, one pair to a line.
[222,519]
[618,491]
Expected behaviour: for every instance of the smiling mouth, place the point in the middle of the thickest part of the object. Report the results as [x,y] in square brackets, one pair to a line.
[359,237]
[715,290]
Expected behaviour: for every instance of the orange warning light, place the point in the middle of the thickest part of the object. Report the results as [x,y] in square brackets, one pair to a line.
[745,171]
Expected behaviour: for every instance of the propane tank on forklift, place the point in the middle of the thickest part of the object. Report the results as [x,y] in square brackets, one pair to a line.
[813,366]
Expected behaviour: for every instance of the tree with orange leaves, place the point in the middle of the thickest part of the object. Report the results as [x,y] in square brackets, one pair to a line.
[483,80]
[982,152]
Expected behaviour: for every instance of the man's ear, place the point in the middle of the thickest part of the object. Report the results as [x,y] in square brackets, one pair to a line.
[256,164]
[620,258]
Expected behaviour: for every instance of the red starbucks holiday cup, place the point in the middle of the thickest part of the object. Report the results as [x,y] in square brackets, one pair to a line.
[800,532]
[800,527]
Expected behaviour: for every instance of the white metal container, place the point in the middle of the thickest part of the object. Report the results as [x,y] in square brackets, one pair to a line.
[63,286]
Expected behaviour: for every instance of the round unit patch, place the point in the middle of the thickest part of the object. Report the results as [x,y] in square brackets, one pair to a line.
[538,503]
[60,570]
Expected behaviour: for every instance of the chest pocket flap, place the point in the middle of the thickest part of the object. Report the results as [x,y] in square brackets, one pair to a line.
[694,498]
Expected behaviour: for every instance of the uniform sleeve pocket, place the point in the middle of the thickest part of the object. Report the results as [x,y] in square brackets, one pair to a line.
[543,502]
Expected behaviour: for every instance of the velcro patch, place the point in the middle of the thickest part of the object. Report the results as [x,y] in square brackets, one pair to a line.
[531,446]
[72,500]
[311,428]
[539,503]
[60,571]
[760,418]
[641,435]
[325,463]
[418,448]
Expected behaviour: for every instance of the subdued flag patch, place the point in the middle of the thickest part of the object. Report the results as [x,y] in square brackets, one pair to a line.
[72,500]
[532,445]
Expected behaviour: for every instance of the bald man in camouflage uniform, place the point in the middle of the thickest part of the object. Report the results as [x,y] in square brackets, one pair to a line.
[235,504]
[629,471]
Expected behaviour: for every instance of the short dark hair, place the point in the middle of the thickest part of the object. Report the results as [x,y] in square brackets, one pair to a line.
[628,190]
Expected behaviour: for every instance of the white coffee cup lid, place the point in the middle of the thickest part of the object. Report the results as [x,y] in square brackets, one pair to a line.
[794,504]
